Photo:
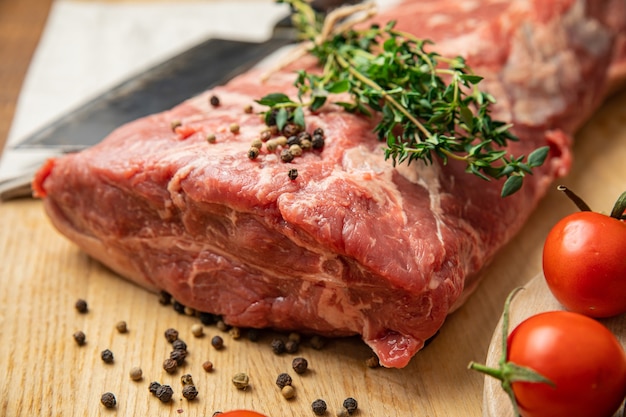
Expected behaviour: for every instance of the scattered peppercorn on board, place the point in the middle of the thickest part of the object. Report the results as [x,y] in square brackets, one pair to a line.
[534,299]
[46,373]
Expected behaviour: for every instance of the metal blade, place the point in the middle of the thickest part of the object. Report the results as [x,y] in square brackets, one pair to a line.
[206,65]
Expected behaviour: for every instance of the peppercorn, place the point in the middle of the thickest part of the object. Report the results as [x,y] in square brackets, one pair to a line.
[281,140]
[372,362]
[221,325]
[288,392]
[283,379]
[186,379]
[153,387]
[319,407]
[291,346]
[121,326]
[136,373]
[207,318]
[319,131]
[253,152]
[189,311]
[235,333]
[234,128]
[171,335]
[342,412]
[165,298]
[291,129]
[306,144]
[293,140]
[79,338]
[247,108]
[256,143]
[175,124]
[179,344]
[170,365]
[215,101]
[265,135]
[178,307]
[295,337]
[241,380]
[190,392]
[273,129]
[207,366]
[350,405]
[317,142]
[107,356]
[253,335]
[197,330]
[271,145]
[286,155]
[278,346]
[292,174]
[108,400]
[211,138]
[299,365]
[179,356]
[217,342]
[317,342]
[164,393]
[295,150]
[81,306]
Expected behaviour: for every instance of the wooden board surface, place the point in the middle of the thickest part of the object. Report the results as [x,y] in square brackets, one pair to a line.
[535,298]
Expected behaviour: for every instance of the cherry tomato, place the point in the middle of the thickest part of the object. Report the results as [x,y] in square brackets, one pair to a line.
[584,263]
[583,359]
[240,413]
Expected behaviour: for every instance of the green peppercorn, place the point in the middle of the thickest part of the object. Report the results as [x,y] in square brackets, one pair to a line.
[283,379]
[247,108]
[170,365]
[197,330]
[299,365]
[211,138]
[350,405]
[278,346]
[234,128]
[79,338]
[295,150]
[241,380]
[136,374]
[81,306]
[292,174]
[190,392]
[265,135]
[286,155]
[281,141]
[121,326]
[253,152]
[171,335]
[164,393]
[288,392]
[186,379]
[319,407]
[107,356]
[217,342]
[306,144]
[207,366]
[271,145]
[214,100]
[108,400]
[175,124]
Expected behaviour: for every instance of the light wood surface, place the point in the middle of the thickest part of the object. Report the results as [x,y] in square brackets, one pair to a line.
[47,374]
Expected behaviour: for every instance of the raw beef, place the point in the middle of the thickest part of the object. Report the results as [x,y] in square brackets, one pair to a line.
[352,245]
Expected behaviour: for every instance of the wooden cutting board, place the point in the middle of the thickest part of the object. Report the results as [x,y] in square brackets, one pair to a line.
[535,298]
[47,374]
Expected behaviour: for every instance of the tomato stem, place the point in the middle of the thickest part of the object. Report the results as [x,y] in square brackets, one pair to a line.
[580,203]
[619,209]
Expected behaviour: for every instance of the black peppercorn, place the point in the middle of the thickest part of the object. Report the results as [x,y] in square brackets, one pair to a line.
[171,335]
[317,142]
[253,334]
[79,338]
[108,400]
[178,307]
[286,155]
[319,131]
[179,344]
[215,101]
[299,365]
[292,346]
[292,174]
[283,379]
[164,393]
[317,342]
[319,407]
[107,356]
[293,140]
[207,318]
[217,342]
[291,129]
[278,346]
[190,392]
[153,387]
[165,298]
[170,365]
[81,306]
[304,136]
[350,405]
[179,356]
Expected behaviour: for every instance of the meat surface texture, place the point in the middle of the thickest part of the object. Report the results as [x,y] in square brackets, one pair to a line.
[353,245]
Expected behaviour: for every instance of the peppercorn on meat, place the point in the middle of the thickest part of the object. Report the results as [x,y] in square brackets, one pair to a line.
[335,240]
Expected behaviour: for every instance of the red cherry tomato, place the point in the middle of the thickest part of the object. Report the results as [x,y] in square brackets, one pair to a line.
[583,359]
[584,263]
[240,413]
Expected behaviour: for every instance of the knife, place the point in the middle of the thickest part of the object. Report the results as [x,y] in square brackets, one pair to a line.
[206,65]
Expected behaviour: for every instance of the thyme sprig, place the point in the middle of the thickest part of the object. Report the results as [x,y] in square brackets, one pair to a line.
[429,105]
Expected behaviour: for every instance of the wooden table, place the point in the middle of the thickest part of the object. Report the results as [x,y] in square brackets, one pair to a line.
[42,275]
